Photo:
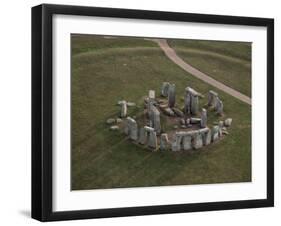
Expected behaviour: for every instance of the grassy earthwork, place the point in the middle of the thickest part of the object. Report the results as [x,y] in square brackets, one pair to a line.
[106,70]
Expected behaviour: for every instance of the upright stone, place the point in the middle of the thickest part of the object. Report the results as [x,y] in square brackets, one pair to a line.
[151,94]
[164,89]
[164,142]
[203,122]
[220,127]
[215,133]
[186,142]
[133,129]
[123,113]
[187,103]
[206,136]
[194,104]
[212,98]
[142,136]
[152,140]
[219,107]
[126,127]
[172,95]
[197,140]
[176,144]
[154,118]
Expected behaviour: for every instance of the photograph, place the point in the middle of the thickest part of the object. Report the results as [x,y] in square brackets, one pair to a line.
[149,111]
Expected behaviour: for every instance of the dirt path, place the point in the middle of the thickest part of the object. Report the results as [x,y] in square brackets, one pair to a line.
[171,54]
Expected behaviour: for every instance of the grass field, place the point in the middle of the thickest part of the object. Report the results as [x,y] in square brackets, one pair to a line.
[105,70]
[227,62]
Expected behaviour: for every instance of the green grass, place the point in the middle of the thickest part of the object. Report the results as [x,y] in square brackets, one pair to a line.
[227,62]
[106,159]
[85,43]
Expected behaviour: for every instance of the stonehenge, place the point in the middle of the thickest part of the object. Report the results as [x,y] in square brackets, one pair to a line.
[187,127]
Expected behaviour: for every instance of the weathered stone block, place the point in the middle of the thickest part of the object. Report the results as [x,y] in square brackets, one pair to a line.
[164,142]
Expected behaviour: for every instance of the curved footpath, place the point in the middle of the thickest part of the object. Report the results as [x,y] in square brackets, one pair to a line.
[171,54]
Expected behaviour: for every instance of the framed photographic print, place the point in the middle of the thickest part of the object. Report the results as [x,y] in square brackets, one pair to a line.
[146,112]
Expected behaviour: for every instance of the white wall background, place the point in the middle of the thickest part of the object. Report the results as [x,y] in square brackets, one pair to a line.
[15,113]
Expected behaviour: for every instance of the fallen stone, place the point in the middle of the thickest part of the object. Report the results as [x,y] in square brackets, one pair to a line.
[195,120]
[178,112]
[169,112]
[114,127]
[110,120]
[119,120]
[228,122]
[131,104]
[225,132]
[175,127]
[182,121]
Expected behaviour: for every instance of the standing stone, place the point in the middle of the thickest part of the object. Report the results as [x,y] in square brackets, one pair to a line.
[206,136]
[187,103]
[164,142]
[197,140]
[176,144]
[219,107]
[187,145]
[142,136]
[152,140]
[123,109]
[220,128]
[133,129]
[215,133]
[151,94]
[212,98]
[194,104]
[191,101]
[154,118]
[172,95]
[164,89]
[203,122]
[126,127]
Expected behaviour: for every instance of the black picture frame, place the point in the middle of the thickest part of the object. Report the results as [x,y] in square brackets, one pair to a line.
[42,106]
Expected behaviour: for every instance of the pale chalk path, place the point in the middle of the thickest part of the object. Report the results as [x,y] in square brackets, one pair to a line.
[171,54]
